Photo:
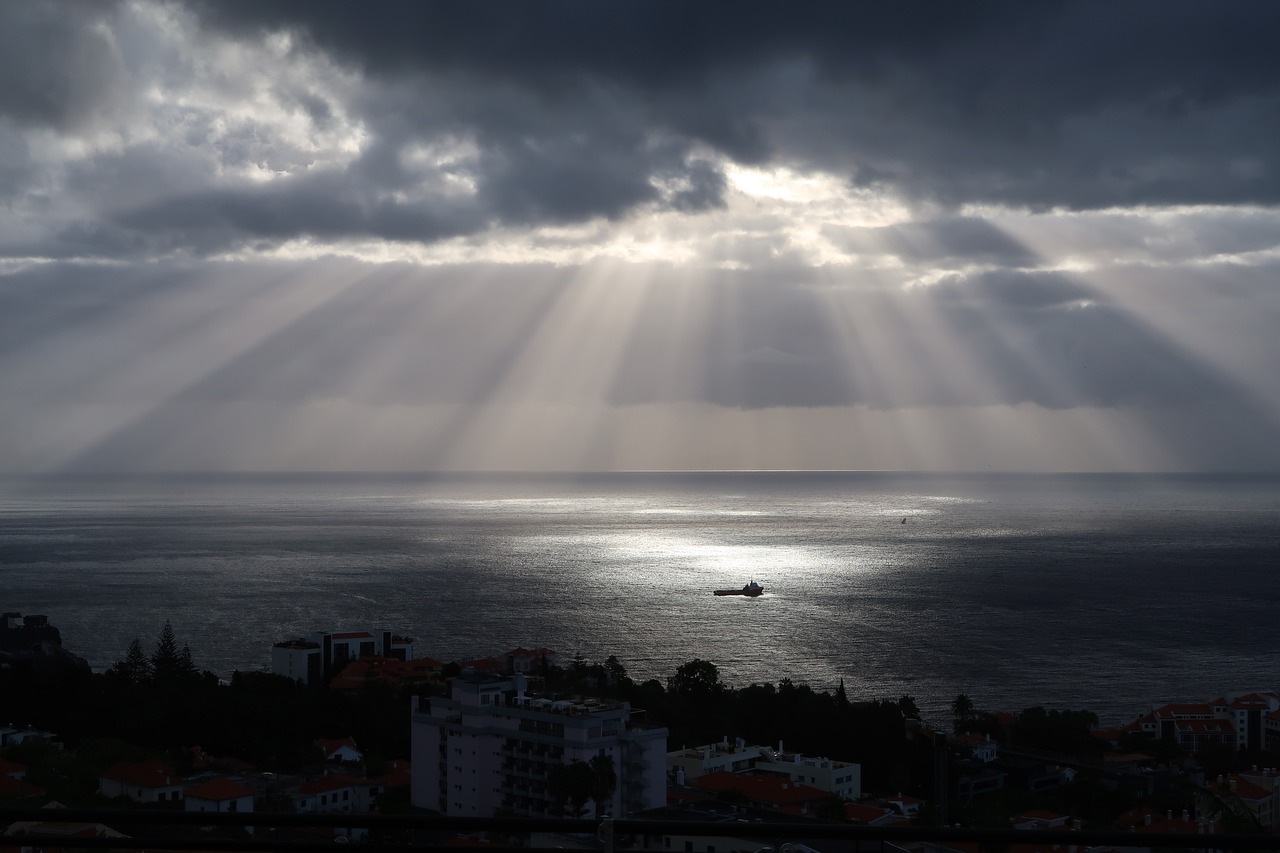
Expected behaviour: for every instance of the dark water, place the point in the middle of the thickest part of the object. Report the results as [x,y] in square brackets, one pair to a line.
[1105,592]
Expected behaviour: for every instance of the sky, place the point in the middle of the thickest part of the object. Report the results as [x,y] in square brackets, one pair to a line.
[414,236]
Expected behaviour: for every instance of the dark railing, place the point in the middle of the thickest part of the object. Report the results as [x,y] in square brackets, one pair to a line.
[431,833]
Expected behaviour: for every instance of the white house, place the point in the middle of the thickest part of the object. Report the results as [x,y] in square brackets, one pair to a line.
[145,782]
[219,794]
[326,795]
[340,749]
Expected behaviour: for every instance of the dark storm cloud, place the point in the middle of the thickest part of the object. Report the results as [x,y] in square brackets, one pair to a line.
[569,111]
[59,70]
[1044,104]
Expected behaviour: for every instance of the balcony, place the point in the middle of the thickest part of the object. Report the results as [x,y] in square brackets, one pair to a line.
[176,831]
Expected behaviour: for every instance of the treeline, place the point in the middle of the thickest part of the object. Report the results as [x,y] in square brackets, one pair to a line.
[163,701]
[698,708]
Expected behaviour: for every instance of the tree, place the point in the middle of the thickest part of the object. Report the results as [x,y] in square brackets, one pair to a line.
[961,709]
[605,782]
[165,663]
[571,784]
[910,710]
[135,669]
[616,672]
[697,680]
[187,670]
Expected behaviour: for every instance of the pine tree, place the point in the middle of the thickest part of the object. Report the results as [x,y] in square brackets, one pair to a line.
[187,670]
[137,668]
[166,663]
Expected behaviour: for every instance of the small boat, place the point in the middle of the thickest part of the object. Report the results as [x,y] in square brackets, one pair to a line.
[752,589]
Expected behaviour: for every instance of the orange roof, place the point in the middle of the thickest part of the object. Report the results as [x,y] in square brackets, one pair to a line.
[8,768]
[325,784]
[1205,726]
[332,745]
[1166,711]
[398,776]
[1244,789]
[11,786]
[771,788]
[859,813]
[361,671]
[1138,817]
[146,774]
[218,789]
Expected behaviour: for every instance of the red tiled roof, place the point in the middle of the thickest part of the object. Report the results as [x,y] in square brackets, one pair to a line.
[332,745]
[218,789]
[358,673]
[8,768]
[11,786]
[1244,789]
[859,813]
[1167,711]
[1205,726]
[1138,817]
[146,774]
[769,788]
[397,777]
[325,784]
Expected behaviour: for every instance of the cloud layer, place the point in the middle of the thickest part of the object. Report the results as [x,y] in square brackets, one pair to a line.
[960,223]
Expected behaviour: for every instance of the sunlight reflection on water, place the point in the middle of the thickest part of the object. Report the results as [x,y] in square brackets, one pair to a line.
[1067,595]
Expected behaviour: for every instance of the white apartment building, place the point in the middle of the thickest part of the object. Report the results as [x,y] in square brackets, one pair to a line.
[490,746]
[308,659]
[842,778]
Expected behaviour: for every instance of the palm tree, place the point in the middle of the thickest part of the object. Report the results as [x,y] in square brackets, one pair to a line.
[961,709]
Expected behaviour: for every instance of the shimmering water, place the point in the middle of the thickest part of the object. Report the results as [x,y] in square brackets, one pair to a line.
[1105,592]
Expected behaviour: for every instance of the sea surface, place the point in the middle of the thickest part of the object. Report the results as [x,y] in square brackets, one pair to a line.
[1105,592]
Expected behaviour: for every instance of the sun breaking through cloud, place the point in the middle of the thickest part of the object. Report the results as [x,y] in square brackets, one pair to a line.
[308,235]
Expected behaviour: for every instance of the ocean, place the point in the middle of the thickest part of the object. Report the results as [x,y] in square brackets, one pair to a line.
[1104,592]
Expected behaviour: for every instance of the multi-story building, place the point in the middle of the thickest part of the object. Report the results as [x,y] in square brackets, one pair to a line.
[492,748]
[1242,721]
[309,659]
[1247,714]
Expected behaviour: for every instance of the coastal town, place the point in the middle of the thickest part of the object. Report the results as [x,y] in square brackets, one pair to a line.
[359,722]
